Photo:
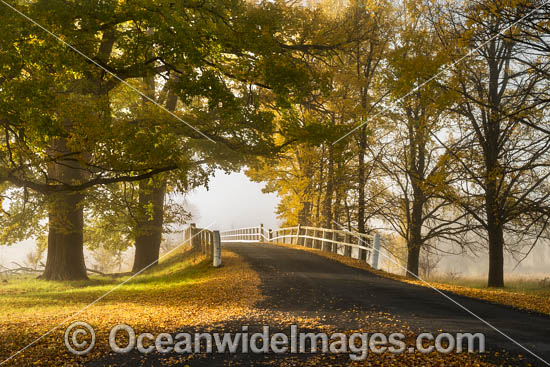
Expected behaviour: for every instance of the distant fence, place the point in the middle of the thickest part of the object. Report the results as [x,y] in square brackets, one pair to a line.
[351,244]
[206,241]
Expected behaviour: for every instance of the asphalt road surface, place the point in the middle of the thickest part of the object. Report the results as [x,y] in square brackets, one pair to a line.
[314,277]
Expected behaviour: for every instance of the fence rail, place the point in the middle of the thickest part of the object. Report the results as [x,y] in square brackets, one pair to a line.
[361,246]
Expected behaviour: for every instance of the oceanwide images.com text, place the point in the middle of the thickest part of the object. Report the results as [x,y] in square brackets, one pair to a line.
[123,339]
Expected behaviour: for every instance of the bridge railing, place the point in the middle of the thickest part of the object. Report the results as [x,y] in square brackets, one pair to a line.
[361,246]
[248,234]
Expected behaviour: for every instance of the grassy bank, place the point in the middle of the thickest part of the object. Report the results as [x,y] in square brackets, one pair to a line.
[532,285]
[183,290]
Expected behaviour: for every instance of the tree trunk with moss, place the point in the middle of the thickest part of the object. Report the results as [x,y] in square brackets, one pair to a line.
[65,258]
[149,223]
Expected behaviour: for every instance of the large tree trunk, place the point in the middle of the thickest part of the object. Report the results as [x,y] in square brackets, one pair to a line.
[495,232]
[149,231]
[415,242]
[65,259]
[495,225]
[417,164]
[496,256]
[413,260]
[150,219]
[304,214]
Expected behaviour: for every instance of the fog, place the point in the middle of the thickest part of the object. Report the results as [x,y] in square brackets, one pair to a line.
[536,264]
[234,201]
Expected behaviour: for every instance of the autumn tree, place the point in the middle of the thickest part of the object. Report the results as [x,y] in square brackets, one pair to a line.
[503,159]
[363,61]
[67,141]
[75,135]
[414,164]
[338,178]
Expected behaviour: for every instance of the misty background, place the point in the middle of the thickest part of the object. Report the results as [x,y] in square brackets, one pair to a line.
[233,201]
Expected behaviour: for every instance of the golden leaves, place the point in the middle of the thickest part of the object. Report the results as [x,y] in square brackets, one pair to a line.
[182,291]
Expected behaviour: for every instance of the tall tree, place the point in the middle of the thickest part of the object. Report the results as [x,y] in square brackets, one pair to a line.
[415,165]
[363,60]
[503,159]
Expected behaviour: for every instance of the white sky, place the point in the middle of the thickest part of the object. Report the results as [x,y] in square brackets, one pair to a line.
[234,201]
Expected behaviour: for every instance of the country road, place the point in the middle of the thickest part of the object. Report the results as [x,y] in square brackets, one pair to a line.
[315,280]
[310,286]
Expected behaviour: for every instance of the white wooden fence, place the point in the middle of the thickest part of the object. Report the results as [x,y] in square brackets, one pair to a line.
[207,241]
[345,243]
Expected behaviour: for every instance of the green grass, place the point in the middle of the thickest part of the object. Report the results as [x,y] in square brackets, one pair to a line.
[26,294]
[539,286]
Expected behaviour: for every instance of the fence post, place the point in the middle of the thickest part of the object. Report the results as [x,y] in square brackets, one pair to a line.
[334,237]
[261,232]
[298,234]
[216,249]
[270,235]
[211,243]
[192,235]
[206,240]
[362,252]
[376,251]
[326,246]
[315,241]
[347,249]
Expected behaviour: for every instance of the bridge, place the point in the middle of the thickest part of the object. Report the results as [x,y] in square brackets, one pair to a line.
[345,243]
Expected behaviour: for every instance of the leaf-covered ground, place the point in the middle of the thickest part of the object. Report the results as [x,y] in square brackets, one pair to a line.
[183,293]
[183,290]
